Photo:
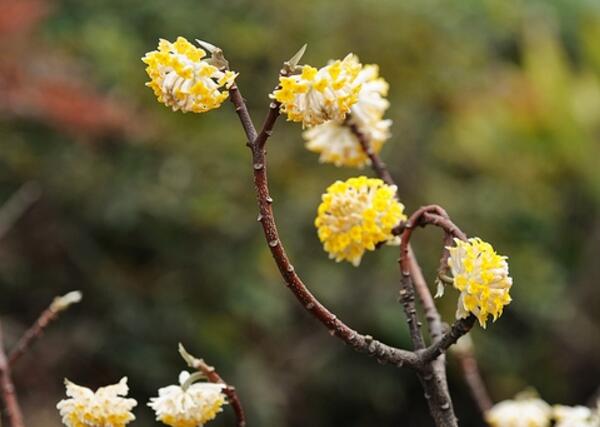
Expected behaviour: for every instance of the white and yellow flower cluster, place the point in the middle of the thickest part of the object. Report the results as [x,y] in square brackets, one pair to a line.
[105,407]
[521,412]
[336,142]
[184,80]
[188,405]
[576,416]
[527,411]
[356,215]
[481,276]
[316,96]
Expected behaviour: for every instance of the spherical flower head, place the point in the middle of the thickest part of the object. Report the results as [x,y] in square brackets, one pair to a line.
[527,412]
[316,96]
[184,80]
[336,142]
[102,408]
[186,405]
[356,215]
[481,276]
[575,416]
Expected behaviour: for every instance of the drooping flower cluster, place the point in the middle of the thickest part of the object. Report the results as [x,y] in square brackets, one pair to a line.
[316,96]
[481,276]
[521,412]
[576,416]
[105,407]
[184,80]
[188,405]
[336,142]
[530,411]
[356,215]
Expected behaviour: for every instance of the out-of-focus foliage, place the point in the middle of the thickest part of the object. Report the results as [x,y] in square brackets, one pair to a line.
[496,109]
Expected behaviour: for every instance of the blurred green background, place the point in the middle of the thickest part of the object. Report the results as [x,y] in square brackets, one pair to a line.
[496,110]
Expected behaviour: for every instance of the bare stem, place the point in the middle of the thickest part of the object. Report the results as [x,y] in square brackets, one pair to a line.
[213,376]
[36,330]
[465,355]
[377,164]
[359,342]
[458,329]
[7,390]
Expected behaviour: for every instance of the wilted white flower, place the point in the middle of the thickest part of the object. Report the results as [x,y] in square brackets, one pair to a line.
[188,405]
[105,407]
[522,412]
[576,416]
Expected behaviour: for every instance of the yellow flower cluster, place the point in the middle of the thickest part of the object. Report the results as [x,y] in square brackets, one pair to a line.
[316,96]
[103,408]
[188,405]
[183,80]
[481,275]
[336,142]
[355,215]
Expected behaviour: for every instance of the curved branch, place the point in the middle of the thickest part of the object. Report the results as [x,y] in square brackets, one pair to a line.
[433,377]
[359,342]
[434,215]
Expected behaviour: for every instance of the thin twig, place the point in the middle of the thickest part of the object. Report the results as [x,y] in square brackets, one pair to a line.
[213,376]
[242,111]
[465,354]
[458,329]
[376,163]
[7,389]
[360,342]
[37,329]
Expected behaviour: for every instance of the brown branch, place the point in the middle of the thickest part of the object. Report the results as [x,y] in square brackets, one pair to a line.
[407,298]
[242,111]
[458,329]
[213,376]
[444,223]
[359,342]
[467,361]
[437,216]
[377,164]
[433,375]
[432,314]
[421,217]
[7,389]
[37,329]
